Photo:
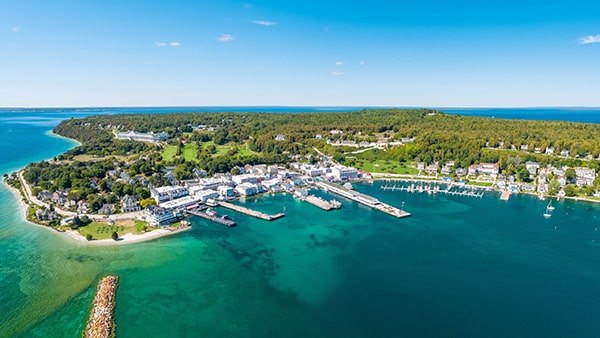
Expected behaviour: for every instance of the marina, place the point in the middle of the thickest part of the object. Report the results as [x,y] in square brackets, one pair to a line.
[362,199]
[435,189]
[250,212]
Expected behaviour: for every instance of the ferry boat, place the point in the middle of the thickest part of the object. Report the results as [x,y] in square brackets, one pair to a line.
[336,204]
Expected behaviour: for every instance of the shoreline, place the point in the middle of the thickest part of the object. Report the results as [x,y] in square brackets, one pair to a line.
[76,237]
[489,189]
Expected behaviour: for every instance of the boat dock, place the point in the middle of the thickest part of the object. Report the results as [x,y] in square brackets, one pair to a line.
[321,203]
[433,189]
[251,212]
[362,199]
[212,216]
[505,195]
[101,323]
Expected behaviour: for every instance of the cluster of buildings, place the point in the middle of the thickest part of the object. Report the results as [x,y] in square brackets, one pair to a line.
[252,180]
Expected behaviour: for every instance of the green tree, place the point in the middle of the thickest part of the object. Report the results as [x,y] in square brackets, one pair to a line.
[114,235]
[570,190]
[89,237]
[146,202]
[570,174]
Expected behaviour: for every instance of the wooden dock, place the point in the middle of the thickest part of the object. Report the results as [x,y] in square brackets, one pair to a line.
[251,212]
[101,323]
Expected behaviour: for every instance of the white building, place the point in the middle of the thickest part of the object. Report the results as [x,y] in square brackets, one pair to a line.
[585,176]
[342,173]
[245,178]
[162,194]
[156,216]
[205,195]
[226,191]
[246,189]
[150,137]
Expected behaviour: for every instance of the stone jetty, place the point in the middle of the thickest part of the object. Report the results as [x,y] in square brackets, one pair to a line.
[101,323]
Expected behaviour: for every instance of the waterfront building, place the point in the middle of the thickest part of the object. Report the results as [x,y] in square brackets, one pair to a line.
[157,216]
[179,203]
[343,173]
[205,195]
[226,191]
[247,189]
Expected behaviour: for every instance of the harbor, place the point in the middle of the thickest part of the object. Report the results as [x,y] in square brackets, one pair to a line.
[435,189]
[362,199]
[250,212]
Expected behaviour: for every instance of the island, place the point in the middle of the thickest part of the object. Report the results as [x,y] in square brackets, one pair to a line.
[139,176]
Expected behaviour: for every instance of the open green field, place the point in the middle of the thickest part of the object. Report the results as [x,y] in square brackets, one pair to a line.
[169,152]
[189,152]
[101,230]
[384,166]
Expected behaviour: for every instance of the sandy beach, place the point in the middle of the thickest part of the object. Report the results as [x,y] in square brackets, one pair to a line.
[127,238]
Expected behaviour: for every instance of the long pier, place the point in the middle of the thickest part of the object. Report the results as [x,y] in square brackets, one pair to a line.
[251,212]
[362,199]
[101,323]
[432,190]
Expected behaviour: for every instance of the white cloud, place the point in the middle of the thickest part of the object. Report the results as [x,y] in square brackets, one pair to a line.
[168,44]
[339,63]
[247,6]
[225,38]
[15,29]
[337,73]
[589,39]
[264,23]
[362,63]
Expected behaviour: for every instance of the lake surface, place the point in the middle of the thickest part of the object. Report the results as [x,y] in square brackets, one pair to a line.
[459,267]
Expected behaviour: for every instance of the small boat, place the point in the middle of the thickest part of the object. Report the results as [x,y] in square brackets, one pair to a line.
[547,214]
[542,197]
[550,207]
[348,185]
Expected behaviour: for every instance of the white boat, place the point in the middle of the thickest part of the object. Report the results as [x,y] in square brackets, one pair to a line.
[550,207]
[348,185]
[542,197]
[547,214]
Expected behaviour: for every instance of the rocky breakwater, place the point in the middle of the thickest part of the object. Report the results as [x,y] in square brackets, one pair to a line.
[101,323]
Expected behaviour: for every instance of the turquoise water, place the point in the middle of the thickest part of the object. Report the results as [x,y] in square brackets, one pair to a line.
[459,267]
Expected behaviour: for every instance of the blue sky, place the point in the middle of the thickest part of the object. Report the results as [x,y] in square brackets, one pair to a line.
[326,53]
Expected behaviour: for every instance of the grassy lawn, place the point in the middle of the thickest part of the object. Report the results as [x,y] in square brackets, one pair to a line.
[85,158]
[189,152]
[169,153]
[383,166]
[480,184]
[100,230]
